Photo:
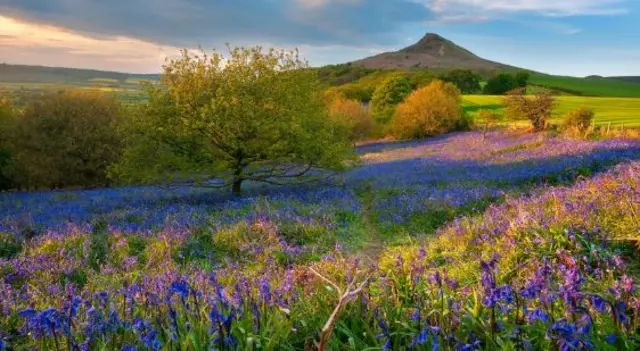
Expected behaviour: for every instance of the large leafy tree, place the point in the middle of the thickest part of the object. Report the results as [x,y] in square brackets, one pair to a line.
[500,84]
[222,120]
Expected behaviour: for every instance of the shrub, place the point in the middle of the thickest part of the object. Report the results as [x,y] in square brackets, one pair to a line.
[537,109]
[432,110]
[579,120]
[353,116]
[501,84]
[388,95]
[66,139]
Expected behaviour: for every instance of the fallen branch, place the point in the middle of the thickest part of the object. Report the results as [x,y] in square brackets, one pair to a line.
[344,298]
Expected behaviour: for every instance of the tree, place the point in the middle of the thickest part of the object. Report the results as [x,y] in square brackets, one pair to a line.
[355,118]
[522,79]
[468,82]
[66,139]
[388,95]
[500,84]
[432,110]
[536,109]
[222,120]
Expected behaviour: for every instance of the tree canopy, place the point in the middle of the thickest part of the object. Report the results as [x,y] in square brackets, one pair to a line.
[64,139]
[388,95]
[222,120]
[468,82]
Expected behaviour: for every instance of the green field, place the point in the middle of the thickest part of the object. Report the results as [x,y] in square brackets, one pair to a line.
[617,111]
[587,86]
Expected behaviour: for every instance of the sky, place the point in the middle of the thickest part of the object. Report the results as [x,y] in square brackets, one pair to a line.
[568,37]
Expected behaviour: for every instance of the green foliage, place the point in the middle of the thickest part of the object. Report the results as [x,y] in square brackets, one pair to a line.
[65,139]
[580,119]
[420,79]
[522,79]
[342,73]
[432,110]
[98,245]
[500,84]
[198,248]
[388,95]
[10,245]
[467,81]
[254,115]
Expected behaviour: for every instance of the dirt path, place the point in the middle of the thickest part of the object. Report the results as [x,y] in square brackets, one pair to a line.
[375,244]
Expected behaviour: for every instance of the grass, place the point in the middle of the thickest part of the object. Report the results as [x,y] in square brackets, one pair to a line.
[587,86]
[617,111]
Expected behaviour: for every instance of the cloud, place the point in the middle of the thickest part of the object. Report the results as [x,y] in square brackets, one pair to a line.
[193,22]
[30,43]
[543,7]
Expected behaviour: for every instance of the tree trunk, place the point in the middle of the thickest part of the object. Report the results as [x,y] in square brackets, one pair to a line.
[236,188]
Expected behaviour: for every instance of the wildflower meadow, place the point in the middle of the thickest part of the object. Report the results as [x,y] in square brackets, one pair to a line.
[466,241]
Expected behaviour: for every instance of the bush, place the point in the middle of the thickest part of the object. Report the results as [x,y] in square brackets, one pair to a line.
[388,95]
[66,139]
[579,120]
[537,109]
[353,116]
[432,110]
[501,84]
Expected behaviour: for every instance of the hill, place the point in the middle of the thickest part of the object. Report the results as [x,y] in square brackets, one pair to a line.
[590,86]
[66,76]
[432,52]
[631,79]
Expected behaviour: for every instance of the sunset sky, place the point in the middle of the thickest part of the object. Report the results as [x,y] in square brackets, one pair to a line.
[571,37]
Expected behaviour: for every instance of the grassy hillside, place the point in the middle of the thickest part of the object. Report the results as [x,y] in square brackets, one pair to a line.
[632,79]
[23,83]
[608,110]
[59,75]
[591,86]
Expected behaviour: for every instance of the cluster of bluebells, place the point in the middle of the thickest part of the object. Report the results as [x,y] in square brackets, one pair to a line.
[564,301]
[191,268]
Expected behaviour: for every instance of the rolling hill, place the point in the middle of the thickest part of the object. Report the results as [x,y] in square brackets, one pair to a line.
[66,76]
[632,79]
